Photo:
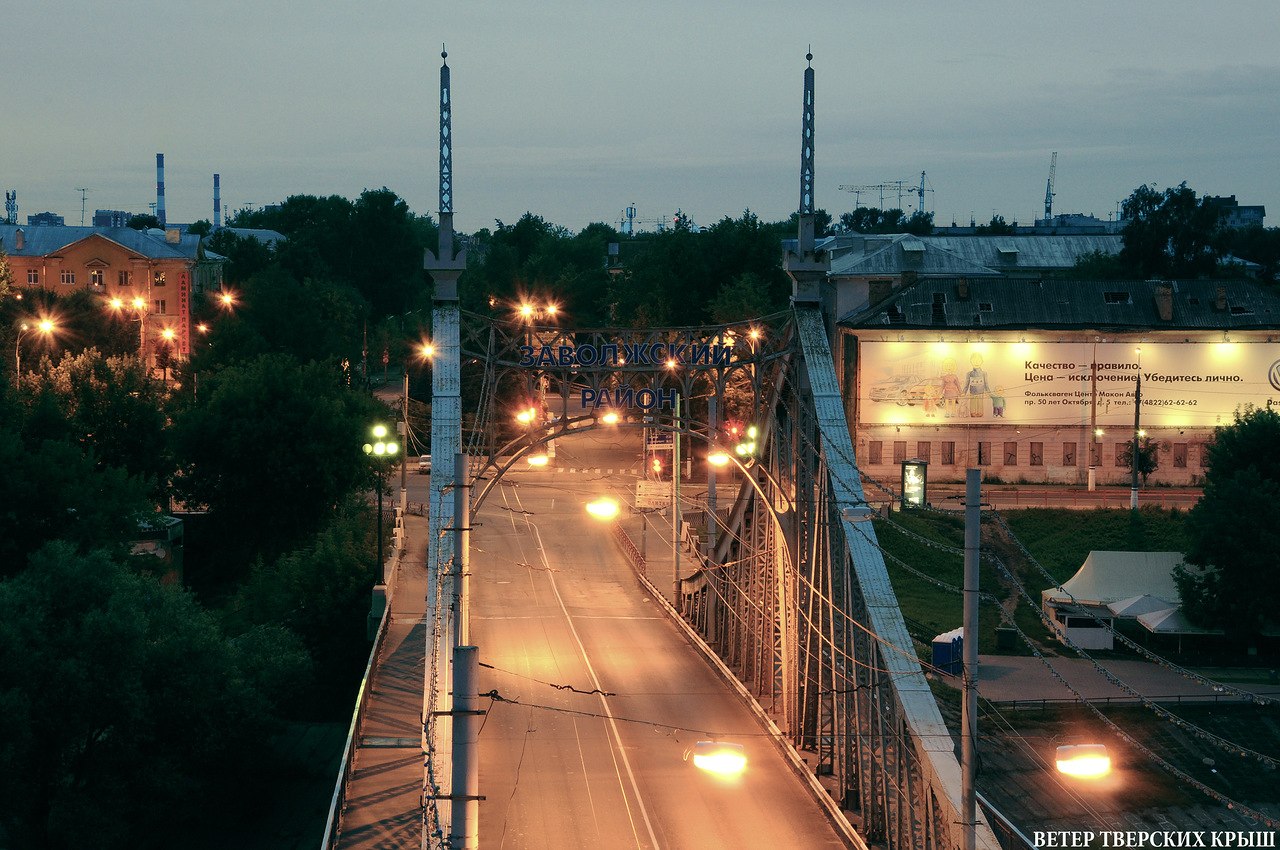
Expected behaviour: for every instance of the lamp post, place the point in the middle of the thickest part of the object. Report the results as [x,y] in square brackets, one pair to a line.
[380,448]
[45,326]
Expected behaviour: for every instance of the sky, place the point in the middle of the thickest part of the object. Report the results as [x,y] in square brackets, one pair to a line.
[574,110]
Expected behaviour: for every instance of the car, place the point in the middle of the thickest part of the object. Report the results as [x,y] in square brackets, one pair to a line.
[424,465]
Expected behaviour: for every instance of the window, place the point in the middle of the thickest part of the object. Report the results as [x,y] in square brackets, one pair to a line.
[985,307]
[157,279]
[1068,454]
[875,449]
[157,306]
[1121,448]
[923,450]
[124,278]
[1116,297]
[1037,454]
[33,276]
[1204,455]
[949,452]
[1180,455]
[68,276]
[1010,454]
[95,277]
[899,451]
[984,454]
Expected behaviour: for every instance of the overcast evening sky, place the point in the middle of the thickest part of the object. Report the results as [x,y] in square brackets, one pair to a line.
[573,109]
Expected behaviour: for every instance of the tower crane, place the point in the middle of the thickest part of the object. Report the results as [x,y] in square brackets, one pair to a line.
[924,187]
[1048,187]
[890,186]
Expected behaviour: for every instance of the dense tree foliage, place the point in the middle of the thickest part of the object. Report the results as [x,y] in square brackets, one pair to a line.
[876,220]
[143,221]
[124,711]
[271,447]
[1171,234]
[1234,584]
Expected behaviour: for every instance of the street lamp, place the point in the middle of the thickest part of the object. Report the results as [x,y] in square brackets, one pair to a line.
[380,448]
[45,326]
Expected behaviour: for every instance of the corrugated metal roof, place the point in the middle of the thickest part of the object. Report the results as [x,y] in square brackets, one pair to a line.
[889,256]
[1050,303]
[968,256]
[42,241]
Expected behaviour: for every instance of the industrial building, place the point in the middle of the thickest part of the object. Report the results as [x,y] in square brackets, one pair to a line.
[1035,380]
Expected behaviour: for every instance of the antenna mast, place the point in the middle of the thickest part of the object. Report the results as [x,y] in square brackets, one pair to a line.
[83,194]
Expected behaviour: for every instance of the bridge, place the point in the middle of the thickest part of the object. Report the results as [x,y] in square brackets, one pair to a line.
[590,661]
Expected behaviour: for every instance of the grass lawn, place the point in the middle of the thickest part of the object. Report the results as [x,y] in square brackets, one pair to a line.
[1060,540]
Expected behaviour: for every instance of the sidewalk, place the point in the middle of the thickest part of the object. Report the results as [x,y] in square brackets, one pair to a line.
[384,795]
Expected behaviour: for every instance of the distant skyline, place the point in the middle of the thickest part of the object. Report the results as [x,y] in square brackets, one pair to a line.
[574,110]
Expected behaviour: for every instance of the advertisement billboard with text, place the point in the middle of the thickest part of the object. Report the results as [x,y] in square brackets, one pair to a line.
[1054,383]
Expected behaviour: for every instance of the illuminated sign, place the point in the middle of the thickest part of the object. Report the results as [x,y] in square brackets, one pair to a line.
[1056,383]
[915,475]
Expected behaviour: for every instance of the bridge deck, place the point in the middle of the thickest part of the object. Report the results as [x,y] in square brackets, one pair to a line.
[384,795]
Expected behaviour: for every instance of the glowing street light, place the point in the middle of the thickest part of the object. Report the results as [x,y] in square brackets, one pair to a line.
[727,760]
[428,350]
[526,311]
[603,508]
[1085,761]
[44,326]
[610,418]
[538,460]
[526,416]
[227,299]
[718,458]
[381,447]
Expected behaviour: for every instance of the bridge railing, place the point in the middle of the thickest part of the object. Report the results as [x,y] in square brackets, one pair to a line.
[337,804]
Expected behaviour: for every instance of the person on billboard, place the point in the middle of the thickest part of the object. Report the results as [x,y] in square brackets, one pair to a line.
[976,386]
[997,402]
[950,388]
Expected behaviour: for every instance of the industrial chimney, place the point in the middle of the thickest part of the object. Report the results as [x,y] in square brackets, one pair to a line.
[160,190]
[217,201]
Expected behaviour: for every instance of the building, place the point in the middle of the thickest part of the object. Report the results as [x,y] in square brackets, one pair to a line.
[868,267]
[45,219]
[1234,215]
[111,218]
[1035,380]
[163,269]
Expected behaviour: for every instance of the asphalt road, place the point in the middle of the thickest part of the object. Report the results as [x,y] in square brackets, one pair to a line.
[554,604]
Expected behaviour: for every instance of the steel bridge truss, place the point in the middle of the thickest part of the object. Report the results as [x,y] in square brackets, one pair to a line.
[794,595]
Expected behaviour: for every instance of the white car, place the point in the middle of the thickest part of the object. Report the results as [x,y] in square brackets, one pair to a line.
[424,465]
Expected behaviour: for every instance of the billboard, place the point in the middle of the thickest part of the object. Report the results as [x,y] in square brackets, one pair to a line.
[1191,384]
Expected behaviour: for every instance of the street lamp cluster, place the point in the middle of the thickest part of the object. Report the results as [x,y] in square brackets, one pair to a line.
[44,326]
[381,447]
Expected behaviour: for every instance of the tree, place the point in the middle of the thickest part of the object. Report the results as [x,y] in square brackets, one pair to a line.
[125,714]
[203,227]
[271,448]
[1235,529]
[6,274]
[1257,244]
[1148,456]
[744,297]
[143,222]
[996,227]
[246,256]
[108,407]
[873,220]
[1171,234]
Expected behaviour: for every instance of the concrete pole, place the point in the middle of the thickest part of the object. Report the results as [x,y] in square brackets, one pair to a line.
[969,704]
[464,831]
[675,510]
[1093,421]
[712,427]
[404,449]
[1137,427]
[462,556]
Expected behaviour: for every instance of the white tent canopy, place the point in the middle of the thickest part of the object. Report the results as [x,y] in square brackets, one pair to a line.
[1107,577]
[1134,606]
[1172,621]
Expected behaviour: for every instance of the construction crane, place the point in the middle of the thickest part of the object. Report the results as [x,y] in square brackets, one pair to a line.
[84,193]
[924,187]
[1048,187]
[891,186]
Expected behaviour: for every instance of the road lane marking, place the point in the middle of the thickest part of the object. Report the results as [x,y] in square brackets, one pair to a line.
[604,703]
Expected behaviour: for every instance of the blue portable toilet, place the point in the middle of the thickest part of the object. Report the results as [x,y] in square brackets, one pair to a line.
[948,652]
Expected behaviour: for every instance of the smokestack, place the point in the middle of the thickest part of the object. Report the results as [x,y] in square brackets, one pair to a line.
[217,202]
[160,189]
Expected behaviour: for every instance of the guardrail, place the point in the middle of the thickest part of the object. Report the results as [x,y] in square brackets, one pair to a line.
[629,549]
[333,826]
[1175,699]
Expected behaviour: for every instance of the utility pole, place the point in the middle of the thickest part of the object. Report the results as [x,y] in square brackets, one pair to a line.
[1093,421]
[83,194]
[969,705]
[1137,431]
[462,561]
[464,831]
[675,510]
[404,453]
